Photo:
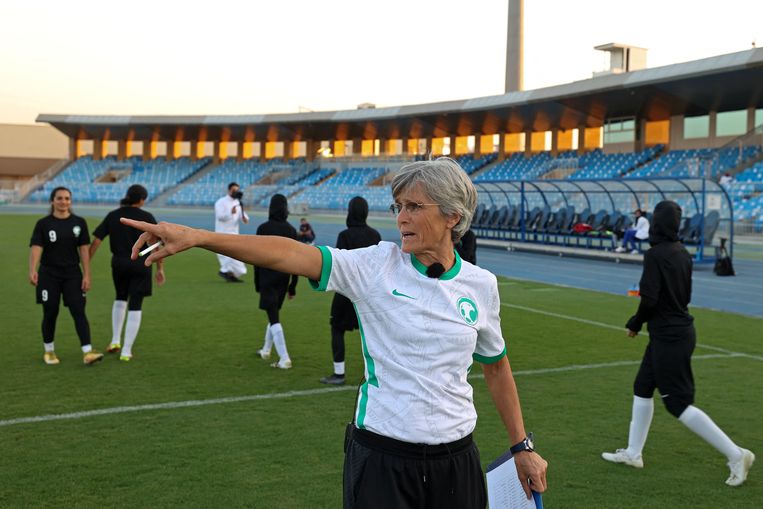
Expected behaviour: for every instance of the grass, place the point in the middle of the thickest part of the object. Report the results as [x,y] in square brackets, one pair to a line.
[198,342]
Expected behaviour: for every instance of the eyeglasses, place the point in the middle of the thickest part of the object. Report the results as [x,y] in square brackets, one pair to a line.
[411,207]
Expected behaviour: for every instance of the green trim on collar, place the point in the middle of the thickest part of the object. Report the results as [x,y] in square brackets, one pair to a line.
[453,272]
[489,360]
[422,269]
[320,285]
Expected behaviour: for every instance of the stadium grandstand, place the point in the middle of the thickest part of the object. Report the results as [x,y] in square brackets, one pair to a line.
[543,160]
[199,417]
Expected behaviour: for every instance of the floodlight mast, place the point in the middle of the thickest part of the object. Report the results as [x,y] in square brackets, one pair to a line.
[515,47]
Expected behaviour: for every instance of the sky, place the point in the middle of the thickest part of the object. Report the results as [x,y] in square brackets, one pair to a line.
[226,57]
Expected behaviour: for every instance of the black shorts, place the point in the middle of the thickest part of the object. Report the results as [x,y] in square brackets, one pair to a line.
[380,472]
[130,278]
[666,366]
[343,314]
[272,296]
[50,288]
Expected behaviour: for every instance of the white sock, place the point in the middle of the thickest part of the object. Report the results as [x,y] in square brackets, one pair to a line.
[118,311]
[268,345]
[131,331]
[48,347]
[641,420]
[279,340]
[701,424]
[86,348]
[339,368]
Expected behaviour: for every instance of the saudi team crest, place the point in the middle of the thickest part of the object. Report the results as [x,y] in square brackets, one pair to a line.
[468,310]
[76,231]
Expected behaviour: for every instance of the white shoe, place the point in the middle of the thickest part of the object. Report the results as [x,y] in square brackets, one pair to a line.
[620,250]
[264,354]
[739,469]
[282,364]
[635,251]
[622,456]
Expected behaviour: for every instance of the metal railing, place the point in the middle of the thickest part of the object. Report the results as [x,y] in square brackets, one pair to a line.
[23,189]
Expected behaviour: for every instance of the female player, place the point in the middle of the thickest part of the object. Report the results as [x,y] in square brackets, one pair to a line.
[132,280]
[59,246]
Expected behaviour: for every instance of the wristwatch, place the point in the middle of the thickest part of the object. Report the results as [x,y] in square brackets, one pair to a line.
[525,445]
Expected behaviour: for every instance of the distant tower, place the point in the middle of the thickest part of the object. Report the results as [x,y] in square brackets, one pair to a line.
[515,47]
[622,58]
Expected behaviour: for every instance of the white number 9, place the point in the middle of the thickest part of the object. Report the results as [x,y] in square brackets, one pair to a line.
[52,235]
[44,294]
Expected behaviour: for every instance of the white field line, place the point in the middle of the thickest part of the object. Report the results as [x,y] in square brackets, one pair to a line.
[326,390]
[581,367]
[170,405]
[292,394]
[622,329]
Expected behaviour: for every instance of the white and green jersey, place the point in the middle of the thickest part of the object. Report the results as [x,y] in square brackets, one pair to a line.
[419,336]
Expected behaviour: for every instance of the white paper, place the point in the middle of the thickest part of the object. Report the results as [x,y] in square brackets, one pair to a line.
[504,490]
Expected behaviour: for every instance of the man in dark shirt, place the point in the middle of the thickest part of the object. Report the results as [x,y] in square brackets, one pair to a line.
[132,279]
[305,233]
[665,289]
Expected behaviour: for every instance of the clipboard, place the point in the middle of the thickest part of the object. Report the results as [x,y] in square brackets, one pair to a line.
[504,489]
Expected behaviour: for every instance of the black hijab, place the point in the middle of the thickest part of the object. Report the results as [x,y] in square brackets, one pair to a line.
[665,222]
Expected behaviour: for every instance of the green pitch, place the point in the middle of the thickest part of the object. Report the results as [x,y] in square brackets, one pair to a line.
[279,445]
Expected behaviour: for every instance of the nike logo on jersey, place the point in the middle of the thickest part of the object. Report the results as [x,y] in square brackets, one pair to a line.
[398,294]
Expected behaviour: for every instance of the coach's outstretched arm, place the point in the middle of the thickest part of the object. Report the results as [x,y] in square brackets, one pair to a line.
[272,252]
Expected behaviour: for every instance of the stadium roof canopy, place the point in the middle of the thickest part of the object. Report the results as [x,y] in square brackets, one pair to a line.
[721,83]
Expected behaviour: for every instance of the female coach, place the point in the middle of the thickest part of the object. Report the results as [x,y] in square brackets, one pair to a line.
[425,317]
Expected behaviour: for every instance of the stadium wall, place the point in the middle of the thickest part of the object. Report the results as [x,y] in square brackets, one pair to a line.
[27,150]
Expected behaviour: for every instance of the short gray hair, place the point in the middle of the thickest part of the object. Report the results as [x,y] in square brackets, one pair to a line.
[446,183]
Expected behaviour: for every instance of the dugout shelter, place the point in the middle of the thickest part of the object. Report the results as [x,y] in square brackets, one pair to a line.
[550,212]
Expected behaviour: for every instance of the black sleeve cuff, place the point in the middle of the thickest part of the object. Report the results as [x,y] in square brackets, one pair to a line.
[634,324]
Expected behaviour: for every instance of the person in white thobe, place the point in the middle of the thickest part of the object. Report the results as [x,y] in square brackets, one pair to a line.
[228,214]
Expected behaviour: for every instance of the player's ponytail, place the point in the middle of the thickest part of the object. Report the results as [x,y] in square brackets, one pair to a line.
[135,193]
